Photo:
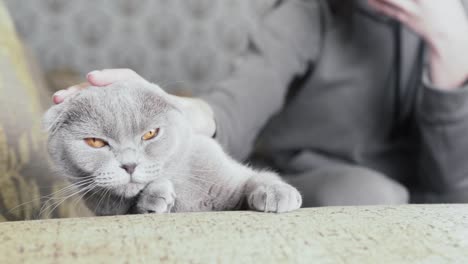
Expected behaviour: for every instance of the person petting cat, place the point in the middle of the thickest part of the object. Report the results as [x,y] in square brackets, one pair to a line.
[378,113]
[136,152]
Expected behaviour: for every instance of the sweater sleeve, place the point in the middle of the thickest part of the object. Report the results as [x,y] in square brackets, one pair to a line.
[443,124]
[285,42]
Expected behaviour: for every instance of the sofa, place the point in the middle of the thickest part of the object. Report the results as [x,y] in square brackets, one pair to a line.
[406,234]
[39,226]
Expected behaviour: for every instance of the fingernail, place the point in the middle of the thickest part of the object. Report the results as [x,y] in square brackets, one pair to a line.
[59,93]
[91,73]
[58,97]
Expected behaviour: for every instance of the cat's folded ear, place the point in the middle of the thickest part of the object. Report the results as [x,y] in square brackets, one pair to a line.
[53,118]
[169,98]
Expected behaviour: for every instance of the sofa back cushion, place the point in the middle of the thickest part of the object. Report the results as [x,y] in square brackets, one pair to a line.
[183,45]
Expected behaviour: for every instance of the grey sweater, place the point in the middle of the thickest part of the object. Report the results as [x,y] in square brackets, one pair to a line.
[359,96]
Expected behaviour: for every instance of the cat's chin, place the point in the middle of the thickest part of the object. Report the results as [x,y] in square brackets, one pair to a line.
[129,190]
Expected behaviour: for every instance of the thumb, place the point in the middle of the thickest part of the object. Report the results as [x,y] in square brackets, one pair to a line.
[110,76]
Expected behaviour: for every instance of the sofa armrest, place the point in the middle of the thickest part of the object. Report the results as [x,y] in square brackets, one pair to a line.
[406,234]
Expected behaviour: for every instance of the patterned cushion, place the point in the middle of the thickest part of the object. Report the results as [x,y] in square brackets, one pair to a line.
[183,45]
[25,177]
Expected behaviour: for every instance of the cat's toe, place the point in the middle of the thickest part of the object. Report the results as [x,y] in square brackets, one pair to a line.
[277,198]
[157,198]
[155,204]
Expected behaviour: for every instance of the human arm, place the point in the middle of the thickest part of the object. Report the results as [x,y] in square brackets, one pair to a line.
[442,108]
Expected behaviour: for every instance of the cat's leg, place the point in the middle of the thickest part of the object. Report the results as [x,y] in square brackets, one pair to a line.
[230,183]
[266,192]
[158,197]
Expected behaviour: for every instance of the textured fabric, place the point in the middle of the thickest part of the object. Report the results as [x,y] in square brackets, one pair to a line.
[183,45]
[25,176]
[361,103]
[409,234]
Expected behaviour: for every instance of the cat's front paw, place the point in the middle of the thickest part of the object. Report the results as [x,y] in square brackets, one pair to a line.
[275,198]
[158,197]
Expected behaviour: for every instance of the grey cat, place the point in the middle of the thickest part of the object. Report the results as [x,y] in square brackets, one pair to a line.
[129,148]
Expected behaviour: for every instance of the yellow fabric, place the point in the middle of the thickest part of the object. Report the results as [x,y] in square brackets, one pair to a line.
[25,177]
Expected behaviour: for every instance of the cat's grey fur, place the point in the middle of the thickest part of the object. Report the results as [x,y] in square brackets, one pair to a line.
[178,171]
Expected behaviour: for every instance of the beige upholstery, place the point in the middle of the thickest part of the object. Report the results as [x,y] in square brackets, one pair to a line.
[407,234]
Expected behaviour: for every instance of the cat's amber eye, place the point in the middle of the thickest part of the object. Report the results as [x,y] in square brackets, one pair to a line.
[150,134]
[95,142]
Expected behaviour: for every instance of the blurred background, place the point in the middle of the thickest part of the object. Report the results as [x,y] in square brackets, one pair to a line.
[183,45]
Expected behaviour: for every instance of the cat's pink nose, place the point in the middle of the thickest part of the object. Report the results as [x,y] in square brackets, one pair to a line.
[129,168]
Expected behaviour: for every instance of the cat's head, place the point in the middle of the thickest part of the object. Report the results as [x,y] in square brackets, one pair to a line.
[117,138]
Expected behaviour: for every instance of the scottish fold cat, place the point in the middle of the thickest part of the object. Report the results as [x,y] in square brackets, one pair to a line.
[129,148]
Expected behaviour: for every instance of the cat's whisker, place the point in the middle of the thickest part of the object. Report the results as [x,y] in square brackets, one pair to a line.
[85,190]
[48,197]
[63,192]
[80,198]
[102,197]
[91,196]
[51,207]
[78,182]
[66,183]
[71,187]
[121,198]
[78,177]
[25,203]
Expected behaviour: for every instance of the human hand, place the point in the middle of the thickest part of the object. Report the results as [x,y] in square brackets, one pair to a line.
[198,112]
[444,27]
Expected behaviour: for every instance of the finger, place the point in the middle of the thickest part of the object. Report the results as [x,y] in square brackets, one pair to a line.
[410,7]
[390,10]
[61,95]
[106,77]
